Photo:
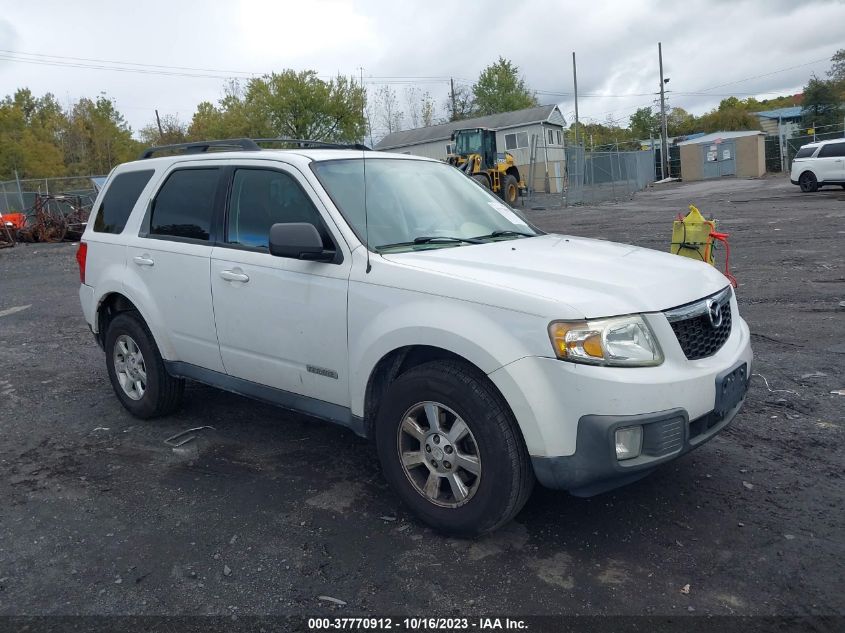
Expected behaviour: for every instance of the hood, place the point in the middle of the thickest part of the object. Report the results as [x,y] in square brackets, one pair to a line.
[595,278]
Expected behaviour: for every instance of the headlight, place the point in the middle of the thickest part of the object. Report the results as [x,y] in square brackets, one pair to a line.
[620,341]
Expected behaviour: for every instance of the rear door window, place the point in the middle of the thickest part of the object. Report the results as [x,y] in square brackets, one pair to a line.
[831,150]
[119,200]
[184,205]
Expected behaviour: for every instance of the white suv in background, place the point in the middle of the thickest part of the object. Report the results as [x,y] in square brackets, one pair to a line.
[395,296]
[819,164]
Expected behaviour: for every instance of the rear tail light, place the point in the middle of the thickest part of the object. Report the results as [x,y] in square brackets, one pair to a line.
[81,255]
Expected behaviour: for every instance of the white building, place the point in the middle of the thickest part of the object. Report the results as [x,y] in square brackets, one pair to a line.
[514,133]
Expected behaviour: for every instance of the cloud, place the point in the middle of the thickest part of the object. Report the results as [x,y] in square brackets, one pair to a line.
[706,43]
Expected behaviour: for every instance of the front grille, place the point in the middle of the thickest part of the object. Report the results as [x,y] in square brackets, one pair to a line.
[700,335]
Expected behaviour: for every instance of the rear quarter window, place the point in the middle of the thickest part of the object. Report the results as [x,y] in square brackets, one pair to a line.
[832,149]
[120,199]
[805,152]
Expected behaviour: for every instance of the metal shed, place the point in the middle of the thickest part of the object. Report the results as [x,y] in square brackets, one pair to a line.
[741,154]
[514,133]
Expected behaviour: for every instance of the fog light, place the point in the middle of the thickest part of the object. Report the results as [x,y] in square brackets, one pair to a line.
[629,442]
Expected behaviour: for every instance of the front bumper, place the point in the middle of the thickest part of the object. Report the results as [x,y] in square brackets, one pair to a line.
[594,469]
[567,412]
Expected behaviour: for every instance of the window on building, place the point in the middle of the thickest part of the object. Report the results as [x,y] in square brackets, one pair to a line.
[185,203]
[516,140]
[448,148]
[833,149]
[261,198]
[551,137]
[120,199]
[559,138]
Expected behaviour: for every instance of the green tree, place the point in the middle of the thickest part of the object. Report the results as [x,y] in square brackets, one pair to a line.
[31,136]
[97,137]
[645,123]
[679,122]
[301,105]
[822,103]
[500,89]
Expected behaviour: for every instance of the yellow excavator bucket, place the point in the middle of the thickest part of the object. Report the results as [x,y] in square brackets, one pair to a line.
[691,236]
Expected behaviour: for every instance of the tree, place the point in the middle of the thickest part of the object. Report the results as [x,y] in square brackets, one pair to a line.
[98,137]
[679,122]
[173,130]
[31,136]
[837,70]
[301,105]
[388,115]
[645,123]
[822,104]
[500,89]
[428,110]
[462,106]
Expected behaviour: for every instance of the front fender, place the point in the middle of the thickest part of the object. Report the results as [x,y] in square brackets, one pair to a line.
[385,319]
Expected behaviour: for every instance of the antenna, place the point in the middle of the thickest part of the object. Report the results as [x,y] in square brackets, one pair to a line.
[364,159]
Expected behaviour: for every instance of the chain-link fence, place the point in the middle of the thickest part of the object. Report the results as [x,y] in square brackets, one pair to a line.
[17,196]
[780,158]
[598,176]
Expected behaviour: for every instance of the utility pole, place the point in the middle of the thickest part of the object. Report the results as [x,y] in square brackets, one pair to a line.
[454,107]
[664,136]
[575,82]
[160,133]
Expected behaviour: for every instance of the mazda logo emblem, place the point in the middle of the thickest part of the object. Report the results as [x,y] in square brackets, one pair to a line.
[714,311]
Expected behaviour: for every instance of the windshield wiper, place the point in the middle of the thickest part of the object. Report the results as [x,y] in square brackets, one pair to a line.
[506,233]
[432,239]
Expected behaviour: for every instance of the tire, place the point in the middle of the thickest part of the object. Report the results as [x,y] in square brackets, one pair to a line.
[493,446]
[481,179]
[510,190]
[808,183]
[161,393]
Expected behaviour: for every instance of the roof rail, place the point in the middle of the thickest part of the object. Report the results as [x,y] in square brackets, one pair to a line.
[308,143]
[200,147]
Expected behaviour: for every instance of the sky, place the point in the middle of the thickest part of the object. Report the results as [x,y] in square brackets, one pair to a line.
[181,52]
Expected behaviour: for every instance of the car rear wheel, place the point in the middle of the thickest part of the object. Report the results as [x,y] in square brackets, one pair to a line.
[136,369]
[808,182]
[451,449]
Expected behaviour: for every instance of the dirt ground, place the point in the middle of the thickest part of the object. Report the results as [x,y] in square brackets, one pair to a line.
[270,510]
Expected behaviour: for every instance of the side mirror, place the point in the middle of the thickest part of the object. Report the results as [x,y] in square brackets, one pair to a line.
[298,240]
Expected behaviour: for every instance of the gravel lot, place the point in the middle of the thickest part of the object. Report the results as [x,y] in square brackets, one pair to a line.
[271,510]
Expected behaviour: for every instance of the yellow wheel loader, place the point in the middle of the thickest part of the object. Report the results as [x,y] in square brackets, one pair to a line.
[474,153]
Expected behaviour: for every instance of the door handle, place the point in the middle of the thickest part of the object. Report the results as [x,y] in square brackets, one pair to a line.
[234,275]
[143,260]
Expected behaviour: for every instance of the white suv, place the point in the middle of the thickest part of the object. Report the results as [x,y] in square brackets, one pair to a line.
[819,164]
[395,296]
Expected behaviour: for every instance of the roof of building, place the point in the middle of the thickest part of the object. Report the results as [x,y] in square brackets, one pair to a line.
[791,112]
[516,118]
[721,136]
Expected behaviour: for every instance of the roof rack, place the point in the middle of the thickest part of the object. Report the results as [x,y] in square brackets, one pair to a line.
[246,144]
[307,143]
[201,147]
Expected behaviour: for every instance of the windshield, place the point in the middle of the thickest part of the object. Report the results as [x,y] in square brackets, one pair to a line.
[468,143]
[410,200]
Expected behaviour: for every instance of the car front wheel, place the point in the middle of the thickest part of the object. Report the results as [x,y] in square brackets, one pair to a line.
[451,449]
